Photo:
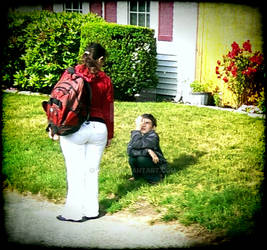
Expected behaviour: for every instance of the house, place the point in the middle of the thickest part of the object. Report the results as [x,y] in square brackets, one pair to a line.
[184,31]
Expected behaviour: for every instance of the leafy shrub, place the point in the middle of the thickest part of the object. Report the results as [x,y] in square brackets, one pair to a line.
[15,46]
[243,72]
[131,61]
[199,87]
[217,99]
[42,44]
[48,43]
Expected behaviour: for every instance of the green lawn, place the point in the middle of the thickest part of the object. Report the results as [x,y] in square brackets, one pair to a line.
[215,162]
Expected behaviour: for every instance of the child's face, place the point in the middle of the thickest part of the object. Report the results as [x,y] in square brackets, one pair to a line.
[146,125]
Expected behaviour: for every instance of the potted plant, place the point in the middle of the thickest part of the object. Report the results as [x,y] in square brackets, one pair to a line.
[199,95]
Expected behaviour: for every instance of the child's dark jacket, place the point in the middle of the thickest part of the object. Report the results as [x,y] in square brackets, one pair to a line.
[140,143]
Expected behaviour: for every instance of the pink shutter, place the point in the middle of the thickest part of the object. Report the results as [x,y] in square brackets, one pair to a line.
[96,7]
[111,11]
[165,21]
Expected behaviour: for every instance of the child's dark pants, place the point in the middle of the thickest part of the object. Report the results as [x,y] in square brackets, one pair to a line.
[143,166]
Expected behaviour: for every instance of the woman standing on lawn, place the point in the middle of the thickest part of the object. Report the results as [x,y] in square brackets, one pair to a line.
[83,149]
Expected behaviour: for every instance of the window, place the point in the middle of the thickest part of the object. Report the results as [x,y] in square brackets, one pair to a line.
[73,6]
[139,13]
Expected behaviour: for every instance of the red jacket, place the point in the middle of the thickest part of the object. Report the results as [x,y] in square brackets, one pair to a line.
[102,104]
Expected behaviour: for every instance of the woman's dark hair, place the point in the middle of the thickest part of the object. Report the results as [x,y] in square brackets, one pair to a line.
[93,52]
[151,118]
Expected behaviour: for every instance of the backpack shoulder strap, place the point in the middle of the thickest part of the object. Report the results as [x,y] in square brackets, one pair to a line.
[71,70]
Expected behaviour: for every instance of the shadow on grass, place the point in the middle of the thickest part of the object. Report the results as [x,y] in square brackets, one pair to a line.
[183,162]
[112,204]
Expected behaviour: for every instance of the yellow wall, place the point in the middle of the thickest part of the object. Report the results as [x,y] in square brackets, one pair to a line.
[219,25]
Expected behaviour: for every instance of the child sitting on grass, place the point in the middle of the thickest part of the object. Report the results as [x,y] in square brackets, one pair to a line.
[145,156]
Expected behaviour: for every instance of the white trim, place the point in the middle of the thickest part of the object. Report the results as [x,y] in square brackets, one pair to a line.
[122,12]
[57,7]
[85,7]
[103,9]
[154,16]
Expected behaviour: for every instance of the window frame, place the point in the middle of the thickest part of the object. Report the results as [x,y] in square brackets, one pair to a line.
[138,12]
[79,3]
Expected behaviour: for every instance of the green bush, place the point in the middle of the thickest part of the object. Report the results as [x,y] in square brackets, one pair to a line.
[15,46]
[131,61]
[44,44]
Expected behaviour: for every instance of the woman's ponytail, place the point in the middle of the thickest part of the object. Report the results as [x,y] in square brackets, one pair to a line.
[93,52]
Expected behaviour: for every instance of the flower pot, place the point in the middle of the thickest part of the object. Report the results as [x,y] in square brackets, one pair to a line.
[199,98]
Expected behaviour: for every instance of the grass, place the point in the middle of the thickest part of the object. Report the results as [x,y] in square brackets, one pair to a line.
[215,162]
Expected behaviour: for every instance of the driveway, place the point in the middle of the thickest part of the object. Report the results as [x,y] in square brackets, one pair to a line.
[31,221]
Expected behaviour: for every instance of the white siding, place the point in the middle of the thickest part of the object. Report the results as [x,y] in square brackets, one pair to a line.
[183,47]
[122,12]
[185,35]
[185,28]
[85,7]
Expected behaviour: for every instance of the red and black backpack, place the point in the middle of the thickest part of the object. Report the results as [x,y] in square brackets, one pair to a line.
[69,104]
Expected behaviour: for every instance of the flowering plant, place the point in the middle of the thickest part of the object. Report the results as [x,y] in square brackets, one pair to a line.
[243,72]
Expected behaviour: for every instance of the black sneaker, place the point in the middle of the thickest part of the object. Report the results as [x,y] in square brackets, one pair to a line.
[85,218]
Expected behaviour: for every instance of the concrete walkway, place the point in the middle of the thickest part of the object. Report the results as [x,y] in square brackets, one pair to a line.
[29,221]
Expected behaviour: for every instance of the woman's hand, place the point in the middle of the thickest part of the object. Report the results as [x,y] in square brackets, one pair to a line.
[54,137]
[108,143]
[154,157]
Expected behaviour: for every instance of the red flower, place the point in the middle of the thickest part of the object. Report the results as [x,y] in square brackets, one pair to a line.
[231,54]
[254,70]
[235,50]
[257,58]
[219,62]
[247,46]
[234,71]
[225,79]
[235,46]
[249,71]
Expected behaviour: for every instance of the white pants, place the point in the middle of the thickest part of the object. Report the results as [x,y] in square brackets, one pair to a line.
[82,151]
